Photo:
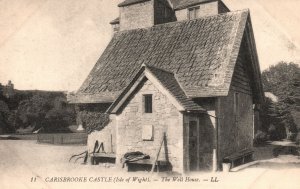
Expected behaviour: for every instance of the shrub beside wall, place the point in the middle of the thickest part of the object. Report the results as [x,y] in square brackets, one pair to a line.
[92,116]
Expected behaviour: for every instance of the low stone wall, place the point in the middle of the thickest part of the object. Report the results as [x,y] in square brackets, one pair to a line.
[106,135]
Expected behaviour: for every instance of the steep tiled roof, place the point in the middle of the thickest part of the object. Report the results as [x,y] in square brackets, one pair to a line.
[201,52]
[130,2]
[167,80]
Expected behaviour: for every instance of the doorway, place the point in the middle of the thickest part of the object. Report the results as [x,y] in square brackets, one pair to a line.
[194,144]
[201,143]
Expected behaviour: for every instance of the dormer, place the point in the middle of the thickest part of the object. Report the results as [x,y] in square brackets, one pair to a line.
[192,9]
[144,13]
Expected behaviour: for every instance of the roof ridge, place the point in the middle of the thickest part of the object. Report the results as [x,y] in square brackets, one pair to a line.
[187,4]
[130,2]
[161,69]
[171,92]
[186,21]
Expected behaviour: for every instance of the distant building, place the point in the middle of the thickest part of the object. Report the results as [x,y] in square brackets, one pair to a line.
[7,90]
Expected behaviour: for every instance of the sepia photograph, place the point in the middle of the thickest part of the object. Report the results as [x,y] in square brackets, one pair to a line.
[149,94]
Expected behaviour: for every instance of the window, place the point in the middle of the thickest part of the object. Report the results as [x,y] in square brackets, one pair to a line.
[148,103]
[193,12]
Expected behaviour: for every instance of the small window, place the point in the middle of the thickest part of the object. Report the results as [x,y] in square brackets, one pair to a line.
[193,12]
[148,103]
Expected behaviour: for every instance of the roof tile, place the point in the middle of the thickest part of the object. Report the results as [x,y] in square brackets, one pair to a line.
[193,50]
[168,80]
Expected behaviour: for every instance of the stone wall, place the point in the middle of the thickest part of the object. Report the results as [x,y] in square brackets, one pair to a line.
[181,14]
[98,125]
[140,15]
[7,90]
[106,135]
[165,118]
[206,9]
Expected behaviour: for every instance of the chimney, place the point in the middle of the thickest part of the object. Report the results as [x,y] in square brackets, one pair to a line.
[136,14]
[115,24]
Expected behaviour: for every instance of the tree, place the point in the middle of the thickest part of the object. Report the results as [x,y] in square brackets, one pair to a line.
[283,81]
[45,109]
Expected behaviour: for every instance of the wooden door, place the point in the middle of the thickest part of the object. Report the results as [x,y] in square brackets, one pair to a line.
[193,145]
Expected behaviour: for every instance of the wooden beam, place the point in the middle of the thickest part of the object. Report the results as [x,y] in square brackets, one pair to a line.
[158,152]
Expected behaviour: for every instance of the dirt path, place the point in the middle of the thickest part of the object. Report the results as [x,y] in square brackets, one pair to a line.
[22,160]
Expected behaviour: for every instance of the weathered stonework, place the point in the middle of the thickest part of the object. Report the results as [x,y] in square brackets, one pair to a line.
[208,9]
[106,135]
[181,14]
[205,9]
[135,16]
[165,118]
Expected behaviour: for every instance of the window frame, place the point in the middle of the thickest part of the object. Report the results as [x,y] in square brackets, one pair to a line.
[148,103]
[194,10]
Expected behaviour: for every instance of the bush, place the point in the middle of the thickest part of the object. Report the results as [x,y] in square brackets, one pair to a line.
[297,138]
[260,138]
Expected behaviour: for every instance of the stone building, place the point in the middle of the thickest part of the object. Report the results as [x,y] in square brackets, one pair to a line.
[186,68]
[7,90]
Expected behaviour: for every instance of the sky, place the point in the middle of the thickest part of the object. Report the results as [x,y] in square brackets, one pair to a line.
[53,44]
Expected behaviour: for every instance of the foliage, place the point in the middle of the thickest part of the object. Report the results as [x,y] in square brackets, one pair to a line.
[260,138]
[39,109]
[93,120]
[283,80]
[92,116]
[5,116]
